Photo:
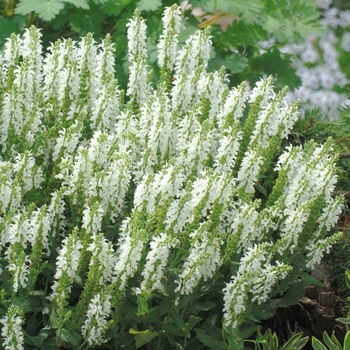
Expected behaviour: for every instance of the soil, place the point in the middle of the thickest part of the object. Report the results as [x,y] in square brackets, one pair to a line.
[317,311]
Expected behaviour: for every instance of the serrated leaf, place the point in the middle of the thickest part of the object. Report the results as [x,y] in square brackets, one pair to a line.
[112,7]
[171,329]
[78,3]
[206,5]
[149,5]
[142,337]
[294,293]
[46,9]
[247,10]
[209,341]
[70,336]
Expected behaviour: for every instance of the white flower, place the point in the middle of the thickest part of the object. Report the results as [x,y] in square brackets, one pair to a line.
[92,218]
[233,107]
[95,324]
[168,40]
[249,170]
[12,333]
[264,89]
[18,266]
[128,256]
[202,262]
[156,260]
[66,268]
[102,258]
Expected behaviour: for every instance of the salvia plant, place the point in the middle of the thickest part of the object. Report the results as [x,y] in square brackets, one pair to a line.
[139,219]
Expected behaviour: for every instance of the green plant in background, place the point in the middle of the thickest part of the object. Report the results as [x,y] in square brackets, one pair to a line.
[269,341]
[238,47]
[137,218]
[332,342]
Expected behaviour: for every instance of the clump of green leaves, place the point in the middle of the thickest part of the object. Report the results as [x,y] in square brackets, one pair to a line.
[269,341]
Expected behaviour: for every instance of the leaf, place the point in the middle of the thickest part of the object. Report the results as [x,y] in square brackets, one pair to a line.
[294,293]
[142,308]
[347,341]
[201,306]
[149,5]
[142,337]
[247,10]
[344,320]
[70,336]
[193,321]
[78,3]
[206,5]
[317,345]
[329,342]
[112,8]
[295,343]
[347,278]
[260,189]
[209,341]
[171,329]
[235,343]
[46,9]
[7,27]
[336,341]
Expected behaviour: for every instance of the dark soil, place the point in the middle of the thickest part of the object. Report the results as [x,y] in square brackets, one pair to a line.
[315,313]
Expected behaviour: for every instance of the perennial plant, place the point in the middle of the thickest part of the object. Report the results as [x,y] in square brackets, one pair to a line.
[140,218]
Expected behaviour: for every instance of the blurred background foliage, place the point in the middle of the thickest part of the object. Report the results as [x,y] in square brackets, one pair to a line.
[238,45]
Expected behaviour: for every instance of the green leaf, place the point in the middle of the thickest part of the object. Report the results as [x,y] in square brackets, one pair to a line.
[7,27]
[329,342]
[201,306]
[294,293]
[112,8]
[149,5]
[317,345]
[142,308]
[260,189]
[142,337]
[336,341]
[24,305]
[171,329]
[46,9]
[209,341]
[344,320]
[206,5]
[295,343]
[78,3]
[235,343]
[347,341]
[193,321]
[247,10]
[347,278]
[70,336]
